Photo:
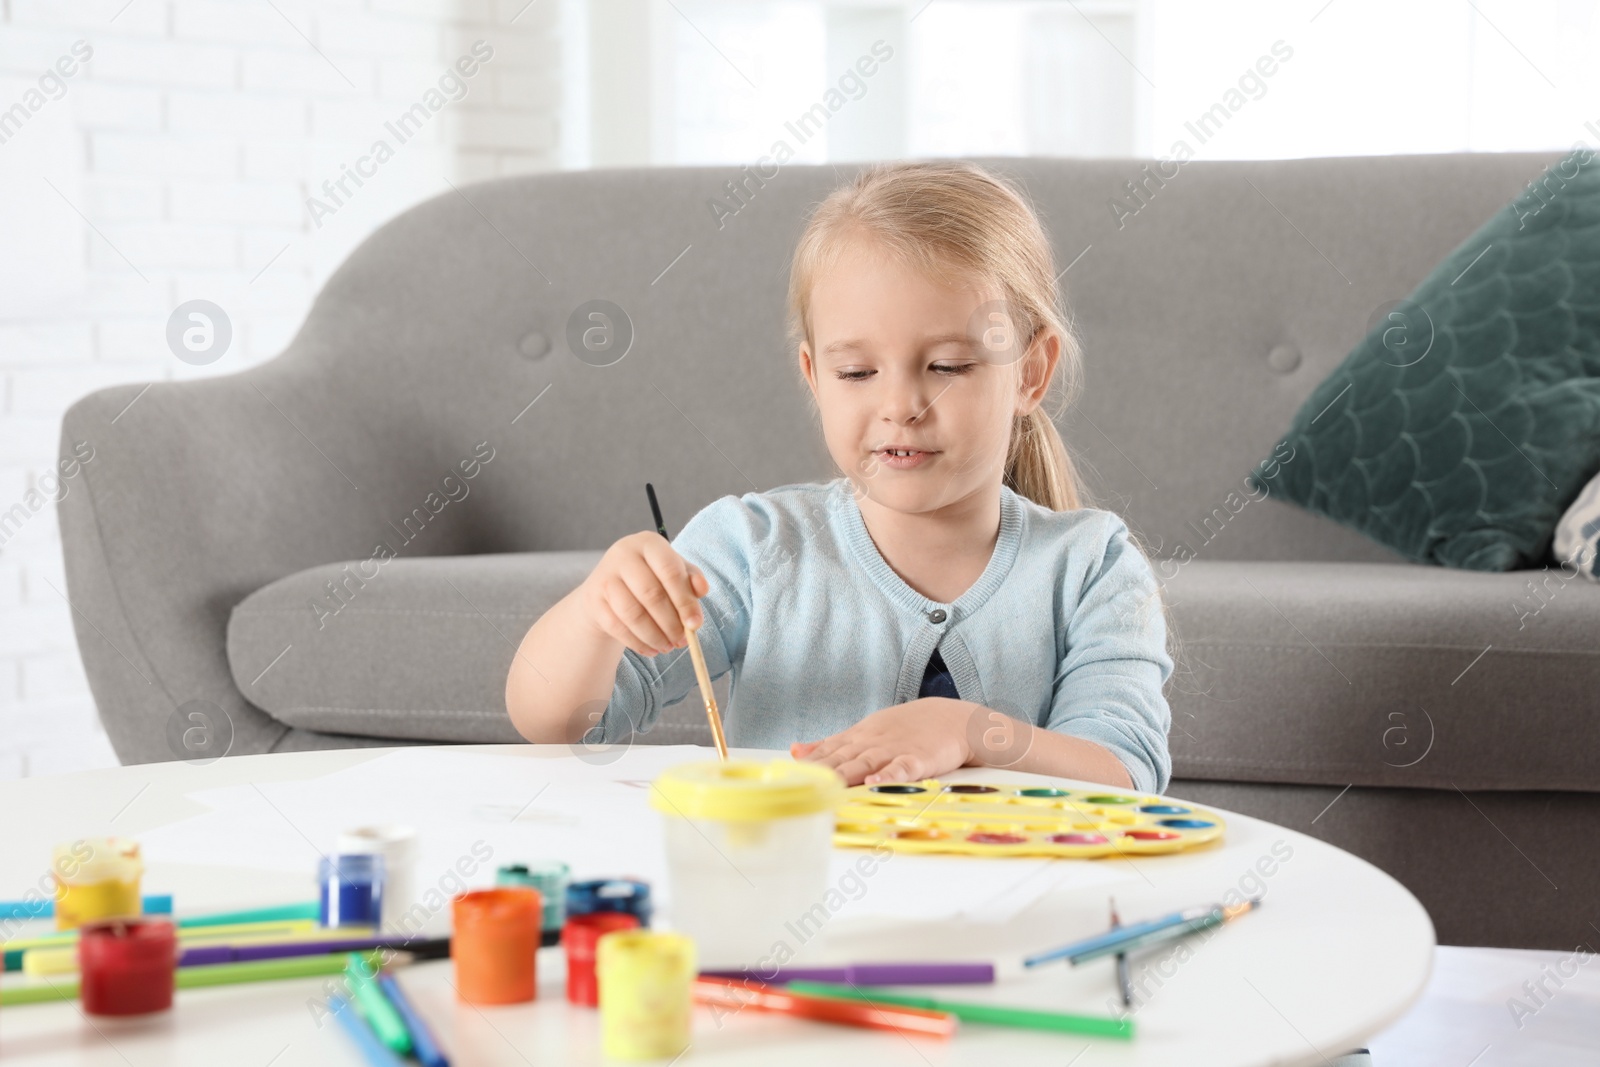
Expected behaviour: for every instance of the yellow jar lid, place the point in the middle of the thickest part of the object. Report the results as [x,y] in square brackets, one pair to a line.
[96,859]
[745,790]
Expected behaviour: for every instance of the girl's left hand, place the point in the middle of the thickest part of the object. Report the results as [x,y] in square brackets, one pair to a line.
[921,738]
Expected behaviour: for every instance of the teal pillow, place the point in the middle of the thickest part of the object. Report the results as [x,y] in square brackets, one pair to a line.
[1461,427]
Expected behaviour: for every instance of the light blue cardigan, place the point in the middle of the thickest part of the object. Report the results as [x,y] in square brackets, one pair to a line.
[1063,629]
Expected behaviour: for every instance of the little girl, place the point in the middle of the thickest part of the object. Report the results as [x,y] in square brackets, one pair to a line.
[947,601]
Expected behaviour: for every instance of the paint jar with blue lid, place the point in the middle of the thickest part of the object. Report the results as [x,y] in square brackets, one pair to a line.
[627,895]
[748,851]
[397,845]
[350,887]
[549,877]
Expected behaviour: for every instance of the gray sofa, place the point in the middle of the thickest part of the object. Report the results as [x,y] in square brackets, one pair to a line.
[343,546]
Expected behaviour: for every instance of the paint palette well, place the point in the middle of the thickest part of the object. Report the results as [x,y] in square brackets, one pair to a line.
[1006,819]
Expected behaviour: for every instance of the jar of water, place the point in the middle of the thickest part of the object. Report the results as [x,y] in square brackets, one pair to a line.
[748,845]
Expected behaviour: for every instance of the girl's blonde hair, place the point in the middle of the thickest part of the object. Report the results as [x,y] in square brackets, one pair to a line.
[961,226]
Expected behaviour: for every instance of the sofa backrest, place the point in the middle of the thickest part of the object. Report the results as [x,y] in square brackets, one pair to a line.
[1210,305]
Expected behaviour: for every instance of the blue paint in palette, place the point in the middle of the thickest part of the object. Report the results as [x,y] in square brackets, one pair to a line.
[1187,824]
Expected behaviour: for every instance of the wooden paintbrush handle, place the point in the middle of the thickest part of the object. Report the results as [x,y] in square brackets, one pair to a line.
[704,677]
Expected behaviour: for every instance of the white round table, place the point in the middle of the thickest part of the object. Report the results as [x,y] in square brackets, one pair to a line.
[1337,951]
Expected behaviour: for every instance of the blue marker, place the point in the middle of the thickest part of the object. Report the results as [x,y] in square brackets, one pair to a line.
[375,1051]
[1138,935]
[423,1044]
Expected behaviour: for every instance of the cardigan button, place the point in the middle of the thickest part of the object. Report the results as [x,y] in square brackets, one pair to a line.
[936,615]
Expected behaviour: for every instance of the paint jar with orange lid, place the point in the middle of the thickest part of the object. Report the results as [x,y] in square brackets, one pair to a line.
[494,942]
[748,849]
[96,878]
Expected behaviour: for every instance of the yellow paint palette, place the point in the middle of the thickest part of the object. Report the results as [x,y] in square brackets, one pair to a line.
[1007,819]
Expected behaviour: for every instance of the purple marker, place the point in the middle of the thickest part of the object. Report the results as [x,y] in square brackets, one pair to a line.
[874,974]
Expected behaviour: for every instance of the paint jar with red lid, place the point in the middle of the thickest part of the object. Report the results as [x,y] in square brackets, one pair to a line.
[128,966]
[494,941]
[578,940]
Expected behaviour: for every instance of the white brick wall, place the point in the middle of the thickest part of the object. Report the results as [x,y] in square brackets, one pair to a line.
[189,141]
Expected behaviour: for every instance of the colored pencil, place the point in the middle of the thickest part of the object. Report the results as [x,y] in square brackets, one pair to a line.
[701,674]
[198,977]
[873,974]
[424,1046]
[995,1014]
[738,994]
[375,1052]
[1170,932]
[153,904]
[1127,937]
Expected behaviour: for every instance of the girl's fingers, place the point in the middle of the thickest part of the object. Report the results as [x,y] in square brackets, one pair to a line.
[857,767]
[642,634]
[702,585]
[831,748]
[675,575]
[645,606]
[607,620]
[903,768]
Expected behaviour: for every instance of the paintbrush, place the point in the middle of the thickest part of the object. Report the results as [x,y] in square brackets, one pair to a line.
[701,675]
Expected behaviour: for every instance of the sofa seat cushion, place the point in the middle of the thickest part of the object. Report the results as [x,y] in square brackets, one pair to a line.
[407,648]
[1309,673]
[1383,674]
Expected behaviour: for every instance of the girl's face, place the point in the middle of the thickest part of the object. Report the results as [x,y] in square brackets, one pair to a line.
[903,363]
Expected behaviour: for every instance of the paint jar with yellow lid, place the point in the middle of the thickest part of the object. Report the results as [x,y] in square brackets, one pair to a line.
[748,847]
[646,984]
[96,878]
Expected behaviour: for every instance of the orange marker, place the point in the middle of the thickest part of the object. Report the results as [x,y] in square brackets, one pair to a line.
[738,993]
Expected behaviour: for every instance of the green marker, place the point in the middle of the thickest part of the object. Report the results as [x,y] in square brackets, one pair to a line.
[368,997]
[995,1014]
[311,909]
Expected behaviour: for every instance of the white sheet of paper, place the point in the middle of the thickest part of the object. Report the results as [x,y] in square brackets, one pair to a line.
[593,813]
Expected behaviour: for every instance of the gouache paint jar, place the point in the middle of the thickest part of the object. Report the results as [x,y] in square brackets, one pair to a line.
[580,940]
[748,845]
[494,941]
[398,847]
[646,983]
[128,966]
[96,878]
[611,894]
[549,877]
[351,889]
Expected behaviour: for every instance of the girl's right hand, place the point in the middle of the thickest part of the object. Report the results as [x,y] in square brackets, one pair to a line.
[643,593]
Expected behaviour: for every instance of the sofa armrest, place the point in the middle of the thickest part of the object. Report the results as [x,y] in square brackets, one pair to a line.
[199,493]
